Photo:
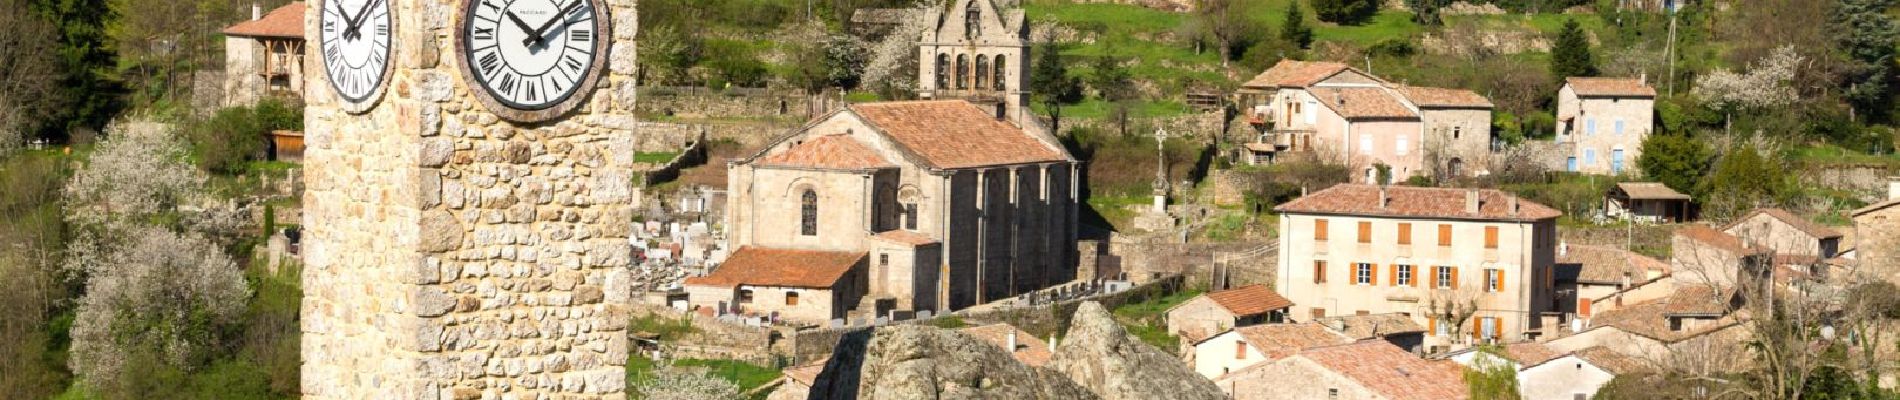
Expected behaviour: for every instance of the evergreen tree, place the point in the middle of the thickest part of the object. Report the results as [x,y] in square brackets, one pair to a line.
[1867,35]
[1570,55]
[1676,160]
[1051,84]
[1109,78]
[1425,12]
[1295,30]
[86,56]
[1345,12]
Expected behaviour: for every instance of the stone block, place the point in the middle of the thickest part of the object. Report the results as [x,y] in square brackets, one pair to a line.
[431,302]
[439,231]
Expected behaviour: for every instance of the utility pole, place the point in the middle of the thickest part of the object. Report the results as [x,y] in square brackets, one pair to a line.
[1670,54]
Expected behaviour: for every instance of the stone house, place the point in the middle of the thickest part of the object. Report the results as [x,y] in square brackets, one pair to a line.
[1248,345]
[264,55]
[1603,121]
[1665,322]
[952,205]
[1703,255]
[1457,129]
[1373,249]
[977,51]
[1216,312]
[1586,273]
[1574,375]
[1369,369]
[799,286]
[1784,233]
[1877,233]
[1515,355]
[1647,202]
[1395,328]
[1025,347]
[1334,112]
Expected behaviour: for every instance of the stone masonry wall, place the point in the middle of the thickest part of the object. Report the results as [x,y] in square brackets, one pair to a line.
[454,255]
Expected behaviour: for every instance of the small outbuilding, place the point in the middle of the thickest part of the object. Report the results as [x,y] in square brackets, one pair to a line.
[1648,202]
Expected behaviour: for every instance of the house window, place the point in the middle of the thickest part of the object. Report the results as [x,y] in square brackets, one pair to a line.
[1319,230]
[1332,393]
[1444,235]
[1619,126]
[1365,143]
[1589,126]
[1240,350]
[1403,275]
[1319,312]
[982,71]
[1362,274]
[1447,278]
[1404,144]
[1590,157]
[1457,131]
[1491,237]
[1488,327]
[883,259]
[808,213]
[1002,65]
[963,72]
[745,296]
[1675,324]
[1440,329]
[1570,164]
[791,298]
[1616,161]
[1365,232]
[910,216]
[1319,272]
[1493,280]
[943,71]
[1405,233]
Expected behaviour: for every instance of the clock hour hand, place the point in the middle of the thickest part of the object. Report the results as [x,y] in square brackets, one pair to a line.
[356,26]
[521,24]
[537,36]
[349,27]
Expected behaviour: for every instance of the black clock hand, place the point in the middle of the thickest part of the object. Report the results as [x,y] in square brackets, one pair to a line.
[356,26]
[519,23]
[348,28]
[536,35]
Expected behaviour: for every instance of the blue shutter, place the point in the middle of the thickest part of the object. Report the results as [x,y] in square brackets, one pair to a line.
[1572,164]
[1616,160]
[1589,126]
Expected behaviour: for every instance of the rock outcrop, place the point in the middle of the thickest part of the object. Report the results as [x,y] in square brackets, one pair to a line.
[1098,354]
[921,362]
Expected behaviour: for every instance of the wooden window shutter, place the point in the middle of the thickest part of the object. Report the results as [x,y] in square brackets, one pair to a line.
[1319,272]
[1444,234]
[1240,350]
[1477,327]
[1583,308]
[1365,232]
[1417,280]
[1393,278]
[1500,278]
[1490,237]
[1405,233]
[1319,229]
[1372,274]
[1431,326]
[1454,277]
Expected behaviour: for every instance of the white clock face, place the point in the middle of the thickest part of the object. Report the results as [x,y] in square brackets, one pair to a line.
[531,54]
[356,38]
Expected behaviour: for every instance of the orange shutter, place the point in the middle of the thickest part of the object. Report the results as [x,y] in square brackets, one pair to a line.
[1372,274]
[1583,308]
[1240,350]
[1319,272]
[1454,277]
[1500,273]
[1365,232]
[1431,326]
[1405,233]
[1418,281]
[1477,327]
[1490,237]
[1319,229]
[1444,234]
[1393,279]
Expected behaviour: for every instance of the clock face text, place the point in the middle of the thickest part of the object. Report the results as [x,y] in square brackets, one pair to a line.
[355,43]
[530,54]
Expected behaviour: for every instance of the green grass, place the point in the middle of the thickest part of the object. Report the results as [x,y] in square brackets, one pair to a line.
[667,328]
[1114,208]
[949,322]
[1097,108]
[1835,155]
[655,157]
[1389,24]
[1147,320]
[748,376]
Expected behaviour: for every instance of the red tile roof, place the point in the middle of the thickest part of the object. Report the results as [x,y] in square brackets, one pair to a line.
[906,237]
[1293,73]
[1416,202]
[1371,325]
[1392,372]
[1610,87]
[283,22]
[1442,97]
[1718,239]
[828,152]
[1278,341]
[952,134]
[760,266]
[1363,102]
[1249,300]
[1530,353]
[1650,191]
[1804,225]
[1608,265]
[1029,350]
[1651,318]
[1612,361]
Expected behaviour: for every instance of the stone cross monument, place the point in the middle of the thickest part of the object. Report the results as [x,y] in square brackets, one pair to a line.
[1161,172]
[469,198]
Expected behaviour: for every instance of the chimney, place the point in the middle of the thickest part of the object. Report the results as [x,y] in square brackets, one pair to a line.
[257,12]
[1302,191]
[1513,205]
[1383,197]
[1471,201]
[1643,79]
[1011,339]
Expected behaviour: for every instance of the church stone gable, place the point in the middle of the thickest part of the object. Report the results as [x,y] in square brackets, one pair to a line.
[993,28]
[452,254]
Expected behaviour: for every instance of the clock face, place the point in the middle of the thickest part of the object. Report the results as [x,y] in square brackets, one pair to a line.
[532,54]
[355,44]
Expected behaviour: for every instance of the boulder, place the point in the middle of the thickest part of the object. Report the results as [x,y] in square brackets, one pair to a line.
[1100,355]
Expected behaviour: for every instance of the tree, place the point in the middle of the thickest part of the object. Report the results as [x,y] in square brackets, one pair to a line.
[891,69]
[1742,180]
[152,295]
[1294,29]
[844,61]
[674,383]
[1676,160]
[1345,12]
[1425,12]
[137,173]
[86,63]
[1109,78]
[1490,376]
[28,91]
[1226,22]
[1051,83]
[1770,83]
[1570,55]
[666,53]
[1866,34]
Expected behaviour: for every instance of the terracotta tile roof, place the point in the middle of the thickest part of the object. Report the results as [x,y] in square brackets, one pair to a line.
[828,152]
[1612,361]
[906,237]
[1651,318]
[1609,87]
[283,22]
[1442,97]
[1278,341]
[1363,102]
[1804,225]
[1371,326]
[1608,265]
[805,374]
[1530,353]
[1391,371]
[1029,350]
[1718,239]
[760,266]
[1875,207]
[1650,191]
[1249,300]
[951,134]
[1293,73]
[1416,202]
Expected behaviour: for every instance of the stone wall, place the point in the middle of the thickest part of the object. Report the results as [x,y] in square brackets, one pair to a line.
[1198,125]
[699,102]
[1867,181]
[453,254]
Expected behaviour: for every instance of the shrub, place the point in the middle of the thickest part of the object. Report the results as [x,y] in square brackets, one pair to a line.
[234,136]
[1345,12]
[154,298]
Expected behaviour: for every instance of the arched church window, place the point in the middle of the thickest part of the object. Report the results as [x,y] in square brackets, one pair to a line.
[982,71]
[1002,65]
[963,72]
[808,213]
[972,21]
[907,200]
[943,71]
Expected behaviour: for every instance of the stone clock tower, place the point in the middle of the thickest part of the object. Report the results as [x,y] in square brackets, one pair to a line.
[463,241]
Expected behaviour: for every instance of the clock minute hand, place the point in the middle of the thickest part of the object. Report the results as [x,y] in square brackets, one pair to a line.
[520,24]
[356,25]
[537,35]
[349,28]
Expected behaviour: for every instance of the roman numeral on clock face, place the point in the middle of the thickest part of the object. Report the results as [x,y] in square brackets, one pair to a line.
[530,54]
[355,45]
